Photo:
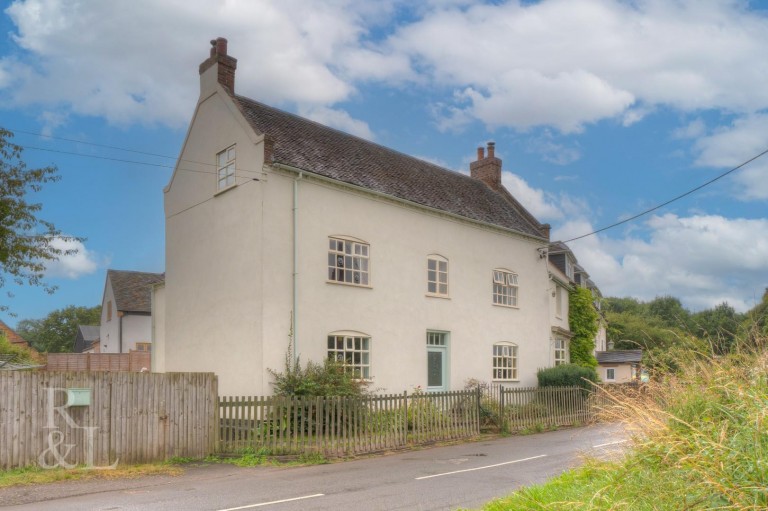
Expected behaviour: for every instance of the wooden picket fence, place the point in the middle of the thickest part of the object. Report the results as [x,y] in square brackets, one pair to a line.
[529,407]
[131,418]
[345,425]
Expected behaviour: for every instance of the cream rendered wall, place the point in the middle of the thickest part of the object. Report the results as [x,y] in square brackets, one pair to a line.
[158,328]
[555,320]
[229,272]
[109,331]
[623,373]
[395,311]
[136,328]
[213,252]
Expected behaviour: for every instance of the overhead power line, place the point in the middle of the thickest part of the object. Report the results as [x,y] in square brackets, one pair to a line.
[670,201]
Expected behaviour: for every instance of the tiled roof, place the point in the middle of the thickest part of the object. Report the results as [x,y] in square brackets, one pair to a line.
[315,148]
[132,289]
[11,335]
[619,356]
[89,332]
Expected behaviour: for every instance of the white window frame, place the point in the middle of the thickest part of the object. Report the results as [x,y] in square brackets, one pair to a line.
[353,349]
[505,362]
[437,276]
[558,301]
[561,351]
[612,372]
[506,288]
[225,168]
[349,261]
[568,267]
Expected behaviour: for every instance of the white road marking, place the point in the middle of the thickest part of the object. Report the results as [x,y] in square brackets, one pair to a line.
[274,502]
[609,443]
[481,468]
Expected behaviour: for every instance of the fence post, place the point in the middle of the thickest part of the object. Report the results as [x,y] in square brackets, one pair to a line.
[502,415]
[405,416]
[479,406]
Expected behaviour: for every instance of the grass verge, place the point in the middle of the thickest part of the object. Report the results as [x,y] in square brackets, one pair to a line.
[37,475]
[700,443]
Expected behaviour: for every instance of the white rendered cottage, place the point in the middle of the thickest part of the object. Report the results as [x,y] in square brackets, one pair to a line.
[413,274]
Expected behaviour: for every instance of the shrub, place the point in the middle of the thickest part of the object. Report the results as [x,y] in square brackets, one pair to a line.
[567,375]
[329,378]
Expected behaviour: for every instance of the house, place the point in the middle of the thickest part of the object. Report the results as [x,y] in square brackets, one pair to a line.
[619,366]
[14,338]
[87,339]
[126,312]
[560,333]
[286,235]
[562,258]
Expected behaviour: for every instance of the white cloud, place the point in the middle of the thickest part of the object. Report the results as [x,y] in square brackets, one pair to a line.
[732,145]
[566,63]
[338,119]
[72,266]
[701,259]
[136,62]
[694,129]
[560,63]
[538,202]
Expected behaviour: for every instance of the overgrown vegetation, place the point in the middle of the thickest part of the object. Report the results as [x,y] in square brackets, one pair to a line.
[21,354]
[700,442]
[37,475]
[583,320]
[330,378]
[568,375]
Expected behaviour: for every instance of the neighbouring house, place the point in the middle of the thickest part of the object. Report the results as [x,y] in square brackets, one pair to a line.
[560,332]
[126,312]
[282,232]
[562,258]
[619,366]
[13,337]
[87,339]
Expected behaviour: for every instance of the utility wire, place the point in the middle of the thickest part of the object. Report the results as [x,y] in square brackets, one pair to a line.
[95,144]
[121,160]
[670,201]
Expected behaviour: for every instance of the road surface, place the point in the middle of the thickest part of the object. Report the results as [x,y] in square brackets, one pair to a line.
[451,477]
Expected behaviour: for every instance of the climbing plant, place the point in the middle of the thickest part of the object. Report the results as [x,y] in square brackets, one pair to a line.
[583,320]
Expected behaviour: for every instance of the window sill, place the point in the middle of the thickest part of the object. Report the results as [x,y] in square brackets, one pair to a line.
[506,306]
[225,190]
[347,284]
[435,295]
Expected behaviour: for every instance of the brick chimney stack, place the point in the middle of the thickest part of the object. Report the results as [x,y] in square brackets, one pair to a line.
[226,64]
[487,168]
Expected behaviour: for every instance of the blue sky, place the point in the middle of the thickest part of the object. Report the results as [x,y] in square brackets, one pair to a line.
[599,109]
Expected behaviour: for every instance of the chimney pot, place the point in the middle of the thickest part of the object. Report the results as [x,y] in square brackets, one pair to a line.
[491,149]
[221,46]
[480,153]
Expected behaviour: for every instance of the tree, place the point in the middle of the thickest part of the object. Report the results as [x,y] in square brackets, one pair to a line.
[670,311]
[56,332]
[583,320]
[25,240]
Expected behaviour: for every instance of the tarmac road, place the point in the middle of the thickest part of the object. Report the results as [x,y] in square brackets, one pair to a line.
[457,476]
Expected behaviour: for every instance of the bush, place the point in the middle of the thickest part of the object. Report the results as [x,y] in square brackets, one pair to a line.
[568,375]
[330,378]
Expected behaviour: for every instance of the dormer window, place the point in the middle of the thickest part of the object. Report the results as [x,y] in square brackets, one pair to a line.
[568,267]
[225,168]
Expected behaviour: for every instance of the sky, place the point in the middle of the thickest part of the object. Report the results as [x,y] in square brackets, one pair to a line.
[599,109]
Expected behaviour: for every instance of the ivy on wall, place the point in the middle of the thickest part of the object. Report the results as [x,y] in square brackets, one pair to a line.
[583,320]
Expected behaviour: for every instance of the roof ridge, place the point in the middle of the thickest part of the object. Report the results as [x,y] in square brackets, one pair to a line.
[359,138]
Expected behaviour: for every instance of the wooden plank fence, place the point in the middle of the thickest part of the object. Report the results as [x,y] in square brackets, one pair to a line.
[132,361]
[132,418]
[345,425]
